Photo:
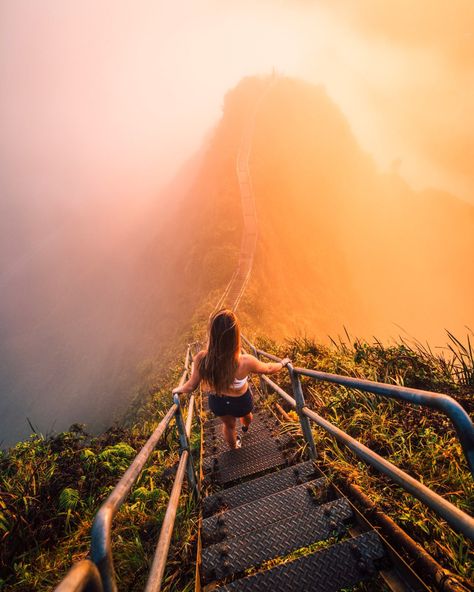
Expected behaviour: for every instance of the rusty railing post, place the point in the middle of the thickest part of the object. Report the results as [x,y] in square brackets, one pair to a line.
[184,445]
[300,403]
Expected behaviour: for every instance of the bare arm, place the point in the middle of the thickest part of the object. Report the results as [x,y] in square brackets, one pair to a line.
[194,379]
[258,367]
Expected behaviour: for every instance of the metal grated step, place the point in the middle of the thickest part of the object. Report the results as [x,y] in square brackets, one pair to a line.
[231,474]
[217,439]
[257,425]
[328,570]
[280,538]
[214,424]
[247,454]
[217,446]
[257,488]
[214,438]
[263,512]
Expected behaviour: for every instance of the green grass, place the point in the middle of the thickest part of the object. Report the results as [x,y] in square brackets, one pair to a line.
[420,441]
[52,487]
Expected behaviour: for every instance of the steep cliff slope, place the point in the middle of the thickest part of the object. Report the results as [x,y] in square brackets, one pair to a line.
[105,297]
[343,244]
[113,294]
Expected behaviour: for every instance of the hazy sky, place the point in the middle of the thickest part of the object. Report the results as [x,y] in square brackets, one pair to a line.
[108,97]
[101,101]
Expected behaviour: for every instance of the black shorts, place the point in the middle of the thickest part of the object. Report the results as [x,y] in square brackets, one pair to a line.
[237,406]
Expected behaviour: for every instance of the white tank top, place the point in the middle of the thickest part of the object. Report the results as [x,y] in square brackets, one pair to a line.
[239,382]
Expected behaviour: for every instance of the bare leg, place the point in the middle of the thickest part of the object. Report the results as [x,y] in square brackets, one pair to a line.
[228,429]
[246,419]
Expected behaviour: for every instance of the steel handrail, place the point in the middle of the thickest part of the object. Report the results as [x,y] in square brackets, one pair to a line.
[101,544]
[444,403]
[86,574]
[458,519]
[82,577]
[189,417]
[161,554]
[157,571]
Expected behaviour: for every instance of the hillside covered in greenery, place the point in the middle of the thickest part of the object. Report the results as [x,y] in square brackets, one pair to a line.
[52,487]
[340,244]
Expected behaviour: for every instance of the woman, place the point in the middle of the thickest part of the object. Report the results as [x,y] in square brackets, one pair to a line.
[224,372]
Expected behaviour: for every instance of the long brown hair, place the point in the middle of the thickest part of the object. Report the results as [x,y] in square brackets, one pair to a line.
[219,364]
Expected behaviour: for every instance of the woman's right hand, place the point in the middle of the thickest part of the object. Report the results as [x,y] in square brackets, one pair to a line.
[285,362]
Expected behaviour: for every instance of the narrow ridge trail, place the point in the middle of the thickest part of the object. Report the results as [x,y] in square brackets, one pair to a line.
[263,508]
[270,523]
[271,519]
[236,287]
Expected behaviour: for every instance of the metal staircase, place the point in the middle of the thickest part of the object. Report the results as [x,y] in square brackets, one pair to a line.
[285,523]
[270,523]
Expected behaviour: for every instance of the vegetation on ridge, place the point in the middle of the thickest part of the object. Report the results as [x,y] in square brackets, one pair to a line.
[51,488]
[420,441]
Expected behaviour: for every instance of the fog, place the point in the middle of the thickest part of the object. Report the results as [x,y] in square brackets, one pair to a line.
[101,103]
[115,94]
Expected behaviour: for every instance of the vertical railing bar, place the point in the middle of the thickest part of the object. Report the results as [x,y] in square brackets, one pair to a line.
[458,519]
[101,546]
[300,403]
[184,444]
[161,553]
[82,577]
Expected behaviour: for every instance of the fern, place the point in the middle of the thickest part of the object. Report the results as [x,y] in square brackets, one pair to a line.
[68,499]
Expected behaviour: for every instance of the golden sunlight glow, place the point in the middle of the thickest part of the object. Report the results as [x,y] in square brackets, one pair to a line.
[112,117]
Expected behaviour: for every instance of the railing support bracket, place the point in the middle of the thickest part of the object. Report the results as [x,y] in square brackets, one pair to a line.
[184,446]
[300,403]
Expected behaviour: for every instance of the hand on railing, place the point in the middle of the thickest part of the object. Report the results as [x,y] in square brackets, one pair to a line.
[285,362]
[447,405]
[180,390]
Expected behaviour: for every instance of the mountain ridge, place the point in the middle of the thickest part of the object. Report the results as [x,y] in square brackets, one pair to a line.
[328,257]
